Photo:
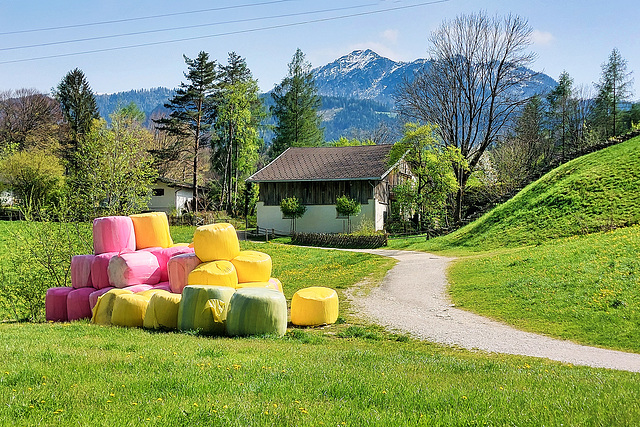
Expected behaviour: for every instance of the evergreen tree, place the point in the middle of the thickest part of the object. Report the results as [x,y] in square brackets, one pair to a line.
[296,108]
[193,110]
[239,113]
[78,105]
[560,107]
[615,86]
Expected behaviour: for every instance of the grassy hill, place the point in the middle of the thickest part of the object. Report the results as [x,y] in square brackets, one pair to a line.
[596,192]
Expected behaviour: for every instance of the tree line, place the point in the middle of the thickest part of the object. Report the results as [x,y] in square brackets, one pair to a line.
[468,133]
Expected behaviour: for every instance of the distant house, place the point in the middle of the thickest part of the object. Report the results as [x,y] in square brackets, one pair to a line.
[168,195]
[317,176]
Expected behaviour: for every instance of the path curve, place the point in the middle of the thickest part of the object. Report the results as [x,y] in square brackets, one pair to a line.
[432,317]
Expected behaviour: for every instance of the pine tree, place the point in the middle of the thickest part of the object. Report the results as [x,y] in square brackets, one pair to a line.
[192,109]
[296,108]
[560,100]
[615,86]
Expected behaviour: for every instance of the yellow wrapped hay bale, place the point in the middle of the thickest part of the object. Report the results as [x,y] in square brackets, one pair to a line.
[215,273]
[252,266]
[149,293]
[216,242]
[314,306]
[266,285]
[152,230]
[129,310]
[162,311]
[104,307]
[204,308]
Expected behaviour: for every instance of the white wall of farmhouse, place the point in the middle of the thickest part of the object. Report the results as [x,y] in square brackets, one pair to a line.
[165,198]
[320,218]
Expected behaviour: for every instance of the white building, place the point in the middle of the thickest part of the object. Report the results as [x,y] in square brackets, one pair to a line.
[170,196]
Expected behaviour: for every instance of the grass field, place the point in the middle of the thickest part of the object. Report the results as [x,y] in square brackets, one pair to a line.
[596,192]
[80,374]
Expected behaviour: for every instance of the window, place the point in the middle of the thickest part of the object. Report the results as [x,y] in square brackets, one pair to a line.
[158,192]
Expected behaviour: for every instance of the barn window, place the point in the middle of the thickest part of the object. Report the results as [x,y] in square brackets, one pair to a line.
[158,192]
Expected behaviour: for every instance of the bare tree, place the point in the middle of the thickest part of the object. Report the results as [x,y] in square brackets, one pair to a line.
[28,119]
[471,87]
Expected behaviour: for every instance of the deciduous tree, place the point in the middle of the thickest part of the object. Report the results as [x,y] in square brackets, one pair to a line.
[470,89]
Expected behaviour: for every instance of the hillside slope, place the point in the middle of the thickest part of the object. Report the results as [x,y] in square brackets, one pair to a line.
[596,192]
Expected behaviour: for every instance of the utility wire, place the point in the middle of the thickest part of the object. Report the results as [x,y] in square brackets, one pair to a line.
[230,33]
[143,18]
[161,30]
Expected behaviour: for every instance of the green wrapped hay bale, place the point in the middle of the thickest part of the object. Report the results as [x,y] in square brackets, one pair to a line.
[257,311]
[204,308]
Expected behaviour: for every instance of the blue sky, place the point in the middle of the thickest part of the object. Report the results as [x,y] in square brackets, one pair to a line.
[576,36]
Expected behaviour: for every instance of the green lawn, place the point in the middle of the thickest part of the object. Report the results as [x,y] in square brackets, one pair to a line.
[80,374]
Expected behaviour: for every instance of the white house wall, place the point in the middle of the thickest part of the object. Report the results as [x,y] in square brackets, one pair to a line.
[318,218]
[172,199]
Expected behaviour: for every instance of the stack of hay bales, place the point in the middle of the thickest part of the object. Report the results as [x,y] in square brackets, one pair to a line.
[130,252]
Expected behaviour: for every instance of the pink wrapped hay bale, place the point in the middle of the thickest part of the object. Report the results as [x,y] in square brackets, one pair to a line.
[133,268]
[93,296]
[164,254]
[99,270]
[163,286]
[113,234]
[78,306]
[55,304]
[178,269]
[81,271]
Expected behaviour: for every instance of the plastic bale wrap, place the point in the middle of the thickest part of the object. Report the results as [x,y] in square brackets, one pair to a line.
[81,271]
[113,234]
[314,306]
[100,270]
[152,229]
[164,254]
[178,269]
[204,308]
[104,306]
[93,296]
[257,311]
[138,288]
[164,286]
[129,310]
[216,242]
[134,268]
[252,266]
[149,293]
[162,311]
[55,304]
[78,306]
[215,273]
[266,285]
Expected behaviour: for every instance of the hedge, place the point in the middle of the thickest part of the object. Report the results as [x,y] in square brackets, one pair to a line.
[339,240]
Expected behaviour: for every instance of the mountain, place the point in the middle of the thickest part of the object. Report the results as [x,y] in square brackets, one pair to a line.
[357,91]
[364,74]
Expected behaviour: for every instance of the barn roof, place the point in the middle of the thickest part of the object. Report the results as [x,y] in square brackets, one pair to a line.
[327,164]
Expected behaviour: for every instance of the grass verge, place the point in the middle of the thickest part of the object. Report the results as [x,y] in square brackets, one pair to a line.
[79,374]
[583,288]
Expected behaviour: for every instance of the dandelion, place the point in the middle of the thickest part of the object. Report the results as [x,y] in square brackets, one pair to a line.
[275,405]
[108,401]
[225,407]
[134,403]
[195,404]
[112,394]
[464,397]
[31,406]
[159,399]
[384,391]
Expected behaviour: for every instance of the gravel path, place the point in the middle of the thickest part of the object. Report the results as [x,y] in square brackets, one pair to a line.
[413,298]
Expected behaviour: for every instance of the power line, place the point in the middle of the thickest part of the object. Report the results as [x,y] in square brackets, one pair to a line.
[161,30]
[230,33]
[142,18]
